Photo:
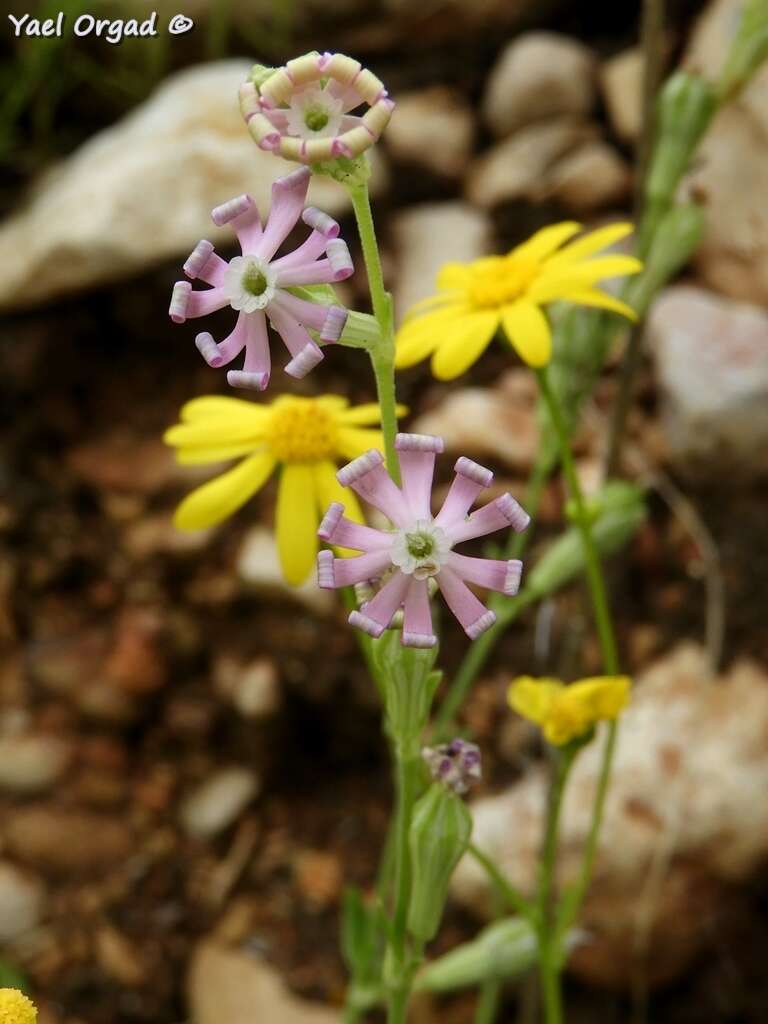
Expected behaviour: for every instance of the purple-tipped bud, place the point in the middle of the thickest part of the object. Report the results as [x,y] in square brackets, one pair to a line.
[227,212]
[456,765]
[419,443]
[177,310]
[334,324]
[306,360]
[359,467]
[339,259]
[321,222]
[473,470]
[198,258]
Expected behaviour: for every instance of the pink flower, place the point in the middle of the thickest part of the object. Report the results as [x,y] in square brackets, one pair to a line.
[302,111]
[420,546]
[256,284]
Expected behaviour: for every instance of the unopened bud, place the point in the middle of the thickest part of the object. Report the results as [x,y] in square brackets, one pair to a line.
[457,764]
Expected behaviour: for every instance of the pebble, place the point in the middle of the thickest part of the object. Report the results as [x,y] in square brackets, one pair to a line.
[66,842]
[433,129]
[22,902]
[621,81]
[539,75]
[711,357]
[592,177]
[252,688]
[32,764]
[218,801]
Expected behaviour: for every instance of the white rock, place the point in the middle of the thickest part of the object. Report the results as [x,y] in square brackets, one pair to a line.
[432,129]
[590,178]
[142,190]
[729,170]
[258,565]
[32,764]
[499,422]
[230,986]
[681,817]
[711,356]
[521,166]
[21,902]
[218,801]
[621,80]
[252,688]
[538,75]
[428,235]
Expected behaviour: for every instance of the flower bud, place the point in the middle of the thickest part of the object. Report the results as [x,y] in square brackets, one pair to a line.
[456,764]
[621,512]
[685,108]
[439,836]
[503,950]
[408,683]
[748,50]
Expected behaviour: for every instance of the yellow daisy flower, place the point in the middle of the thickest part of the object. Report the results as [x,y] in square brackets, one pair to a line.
[456,326]
[16,1008]
[306,437]
[567,712]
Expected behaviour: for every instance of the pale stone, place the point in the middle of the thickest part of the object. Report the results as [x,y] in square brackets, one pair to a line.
[426,237]
[498,422]
[432,129]
[621,80]
[32,764]
[521,166]
[231,986]
[539,75]
[258,565]
[142,190]
[711,356]
[729,170]
[682,821]
[21,902]
[590,178]
[218,801]
[252,688]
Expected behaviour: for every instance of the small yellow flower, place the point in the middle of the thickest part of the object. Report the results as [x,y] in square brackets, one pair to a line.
[567,712]
[16,1008]
[456,326]
[306,437]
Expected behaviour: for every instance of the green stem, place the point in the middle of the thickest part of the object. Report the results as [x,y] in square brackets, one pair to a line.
[594,570]
[549,954]
[407,776]
[511,896]
[383,353]
[488,1003]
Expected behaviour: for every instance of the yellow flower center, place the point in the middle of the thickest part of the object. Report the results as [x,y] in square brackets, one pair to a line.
[302,430]
[498,280]
[15,1008]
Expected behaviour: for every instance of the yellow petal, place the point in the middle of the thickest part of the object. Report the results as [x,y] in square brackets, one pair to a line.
[333,403]
[553,284]
[222,405]
[328,490]
[602,697]
[296,521]
[427,304]
[546,241]
[367,414]
[353,441]
[566,720]
[219,498]
[529,332]
[215,431]
[419,337]
[532,698]
[463,343]
[454,275]
[590,243]
[600,300]
[198,455]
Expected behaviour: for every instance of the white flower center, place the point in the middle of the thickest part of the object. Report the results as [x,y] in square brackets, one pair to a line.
[249,283]
[420,551]
[314,113]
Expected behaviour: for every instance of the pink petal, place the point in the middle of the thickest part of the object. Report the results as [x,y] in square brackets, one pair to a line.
[223,353]
[469,481]
[204,302]
[491,573]
[337,267]
[367,476]
[376,615]
[417,623]
[336,529]
[474,617]
[305,352]
[203,264]
[499,514]
[416,454]
[288,195]
[349,96]
[348,571]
